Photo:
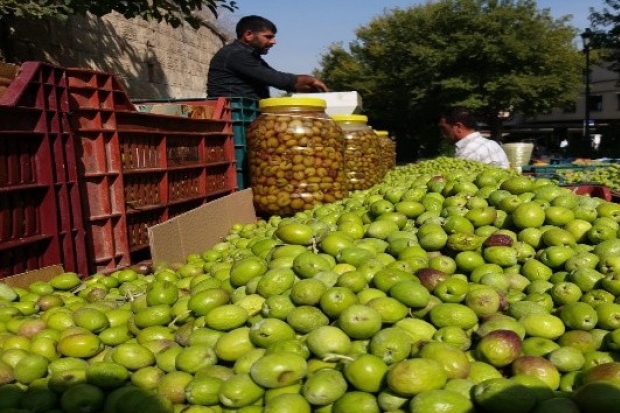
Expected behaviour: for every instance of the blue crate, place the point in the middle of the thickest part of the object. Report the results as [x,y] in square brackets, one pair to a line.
[561,161]
[243,181]
[243,178]
[244,108]
[241,157]
[239,129]
[243,113]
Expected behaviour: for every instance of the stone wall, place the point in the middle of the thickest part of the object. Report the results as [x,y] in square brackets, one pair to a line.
[152,60]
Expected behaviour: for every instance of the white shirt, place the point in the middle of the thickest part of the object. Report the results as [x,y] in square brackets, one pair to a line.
[478,148]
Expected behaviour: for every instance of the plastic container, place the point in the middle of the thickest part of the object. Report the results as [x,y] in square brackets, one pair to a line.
[594,190]
[40,200]
[244,112]
[361,156]
[138,169]
[28,237]
[519,154]
[387,152]
[295,156]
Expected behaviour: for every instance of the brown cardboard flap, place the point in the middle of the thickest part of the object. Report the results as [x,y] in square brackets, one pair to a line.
[26,278]
[201,228]
[8,70]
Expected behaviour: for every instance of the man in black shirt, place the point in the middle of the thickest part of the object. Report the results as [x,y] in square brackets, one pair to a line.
[238,70]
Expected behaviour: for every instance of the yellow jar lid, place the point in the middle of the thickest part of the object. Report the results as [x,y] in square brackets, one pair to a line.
[350,118]
[382,133]
[288,101]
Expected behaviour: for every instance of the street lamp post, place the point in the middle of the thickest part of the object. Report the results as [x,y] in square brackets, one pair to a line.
[586,37]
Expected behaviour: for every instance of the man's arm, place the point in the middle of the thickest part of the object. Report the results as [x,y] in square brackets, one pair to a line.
[247,66]
[307,83]
[250,67]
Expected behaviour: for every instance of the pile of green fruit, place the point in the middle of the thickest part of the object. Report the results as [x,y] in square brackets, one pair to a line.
[450,287]
[603,175]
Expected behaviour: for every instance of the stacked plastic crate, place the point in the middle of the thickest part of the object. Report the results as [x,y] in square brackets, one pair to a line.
[244,112]
[40,210]
[139,169]
[240,111]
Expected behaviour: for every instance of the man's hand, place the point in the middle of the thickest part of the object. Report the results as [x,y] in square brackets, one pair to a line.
[306,83]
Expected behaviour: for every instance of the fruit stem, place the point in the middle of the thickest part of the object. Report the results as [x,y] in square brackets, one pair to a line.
[79,288]
[315,249]
[175,319]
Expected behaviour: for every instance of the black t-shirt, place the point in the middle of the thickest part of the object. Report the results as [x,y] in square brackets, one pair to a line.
[236,70]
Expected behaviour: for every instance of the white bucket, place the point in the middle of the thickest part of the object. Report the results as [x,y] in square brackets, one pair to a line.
[518,153]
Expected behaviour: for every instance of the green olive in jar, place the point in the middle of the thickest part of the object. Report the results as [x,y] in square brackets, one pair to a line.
[361,155]
[387,149]
[295,156]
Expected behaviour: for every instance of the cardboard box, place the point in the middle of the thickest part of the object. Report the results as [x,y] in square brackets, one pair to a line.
[183,110]
[8,71]
[26,278]
[199,229]
[338,103]
[172,241]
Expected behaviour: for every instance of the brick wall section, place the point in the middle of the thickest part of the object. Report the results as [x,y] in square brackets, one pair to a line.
[152,60]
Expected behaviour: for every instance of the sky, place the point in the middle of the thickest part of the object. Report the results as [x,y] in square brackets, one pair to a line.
[307,28]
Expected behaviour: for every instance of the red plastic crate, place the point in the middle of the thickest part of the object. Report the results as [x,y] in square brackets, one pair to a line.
[37,85]
[18,160]
[141,168]
[95,120]
[137,225]
[147,122]
[221,178]
[96,90]
[110,171]
[97,152]
[22,120]
[37,102]
[142,190]
[184,150]
[103,197]
[28,237]
[138,151]
[107,243]
[21,215]
[27,257]
[219,148]
[599,191]
[94,98]
[216,108]
[185,184]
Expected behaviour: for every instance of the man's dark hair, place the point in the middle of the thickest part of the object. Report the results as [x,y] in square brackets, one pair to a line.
[255,24]
[460,114]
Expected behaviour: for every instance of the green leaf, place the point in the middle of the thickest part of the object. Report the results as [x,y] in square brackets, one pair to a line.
[410,62]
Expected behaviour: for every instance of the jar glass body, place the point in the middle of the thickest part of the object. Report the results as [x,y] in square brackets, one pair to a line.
[388,152]
[361,153]
[295,158]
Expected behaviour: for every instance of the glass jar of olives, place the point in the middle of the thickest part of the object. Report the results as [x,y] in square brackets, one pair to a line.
[295,156]
[361,154]
[388,151]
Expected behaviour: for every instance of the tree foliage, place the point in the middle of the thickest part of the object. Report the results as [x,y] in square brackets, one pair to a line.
[492,55]
[173,12]
[606,34]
